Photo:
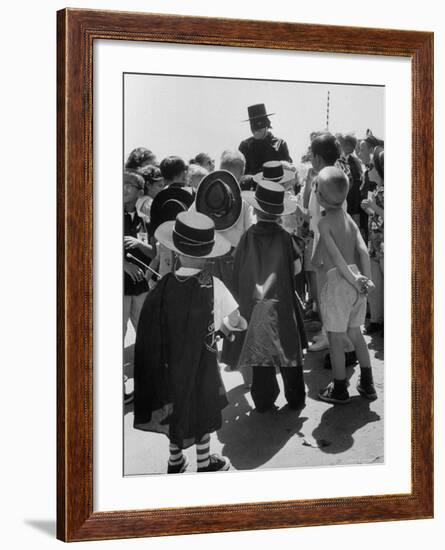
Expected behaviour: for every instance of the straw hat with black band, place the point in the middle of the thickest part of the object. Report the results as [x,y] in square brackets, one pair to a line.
[219,197]
[192,234]
[270,198]
[273,170]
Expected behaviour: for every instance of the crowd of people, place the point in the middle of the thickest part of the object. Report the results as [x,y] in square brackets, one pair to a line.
[225,266]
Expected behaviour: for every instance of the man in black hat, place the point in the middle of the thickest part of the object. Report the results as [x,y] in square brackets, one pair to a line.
[263,145]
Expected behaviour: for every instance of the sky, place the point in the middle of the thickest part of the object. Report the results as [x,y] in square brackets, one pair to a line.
[177,115]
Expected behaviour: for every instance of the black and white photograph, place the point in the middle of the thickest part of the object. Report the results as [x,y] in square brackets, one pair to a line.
[253,274]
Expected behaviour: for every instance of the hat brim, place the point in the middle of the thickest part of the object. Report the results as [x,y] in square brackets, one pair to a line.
[288,176]
[224,222]
[258,116]
[289,206]
[164,235]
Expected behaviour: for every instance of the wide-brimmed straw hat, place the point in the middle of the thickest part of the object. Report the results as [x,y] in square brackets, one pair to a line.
[273,170]
[257,111]
[270,198]
[219,197]
[192,234]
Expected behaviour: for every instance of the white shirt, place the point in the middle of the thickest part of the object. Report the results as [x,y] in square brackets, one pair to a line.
[246,219]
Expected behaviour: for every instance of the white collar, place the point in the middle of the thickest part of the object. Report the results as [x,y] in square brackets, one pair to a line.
[187,271]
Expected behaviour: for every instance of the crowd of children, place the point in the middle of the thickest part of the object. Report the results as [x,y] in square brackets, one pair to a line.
[245,259]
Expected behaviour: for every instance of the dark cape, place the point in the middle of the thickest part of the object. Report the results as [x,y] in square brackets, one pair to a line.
[259,151]
[176,361]
[264,286]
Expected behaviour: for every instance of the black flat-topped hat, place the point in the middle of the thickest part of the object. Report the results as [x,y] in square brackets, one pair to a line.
[257,111]
[274,170]
[270,198]
[219,197]
[192,234]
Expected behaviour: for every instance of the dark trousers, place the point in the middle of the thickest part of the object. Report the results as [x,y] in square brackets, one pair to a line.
[265,389]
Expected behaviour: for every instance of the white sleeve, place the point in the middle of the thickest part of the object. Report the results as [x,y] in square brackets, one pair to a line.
[223,302]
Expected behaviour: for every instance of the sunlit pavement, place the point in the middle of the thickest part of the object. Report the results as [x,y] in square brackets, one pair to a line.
[319,435]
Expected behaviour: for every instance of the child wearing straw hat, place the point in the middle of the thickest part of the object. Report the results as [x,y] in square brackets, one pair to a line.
[264,285]
[178,386]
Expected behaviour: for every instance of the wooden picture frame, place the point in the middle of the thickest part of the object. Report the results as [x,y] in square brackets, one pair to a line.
[77,31]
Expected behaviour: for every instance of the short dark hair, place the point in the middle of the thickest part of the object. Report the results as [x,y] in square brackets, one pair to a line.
[326,146]
[172,167]
[138,157]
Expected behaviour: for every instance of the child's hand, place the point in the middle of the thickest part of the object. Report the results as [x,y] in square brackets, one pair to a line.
[361,284]
[368,205]
[131,242]
[370,286]
[151,283]
[135,272]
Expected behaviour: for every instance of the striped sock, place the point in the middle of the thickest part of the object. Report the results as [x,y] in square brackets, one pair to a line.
[176,455]
[203,452]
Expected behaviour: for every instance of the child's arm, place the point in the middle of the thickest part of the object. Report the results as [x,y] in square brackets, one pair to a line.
[131,243]
[365,262]
[337,257]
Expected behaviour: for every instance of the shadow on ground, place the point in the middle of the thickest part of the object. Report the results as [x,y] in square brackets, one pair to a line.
[334,433]
[339,423]
[245,431]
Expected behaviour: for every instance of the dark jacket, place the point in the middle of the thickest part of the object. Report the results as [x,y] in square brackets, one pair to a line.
[168,203]
[259,151]
[353,199]
[176,361]
[264,286]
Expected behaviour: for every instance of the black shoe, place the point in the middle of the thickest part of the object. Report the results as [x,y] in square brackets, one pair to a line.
[178,468]
[350,360]
[297,406]
[217,463]
[312,315]
[266,409]
[332,395]
[373,328]
[367,390]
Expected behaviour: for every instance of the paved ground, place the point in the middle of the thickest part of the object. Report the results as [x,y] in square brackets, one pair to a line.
[319,435]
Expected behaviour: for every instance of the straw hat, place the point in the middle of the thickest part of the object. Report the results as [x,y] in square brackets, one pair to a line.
[192,234]
[270,198]
[219,197]
[274,170]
